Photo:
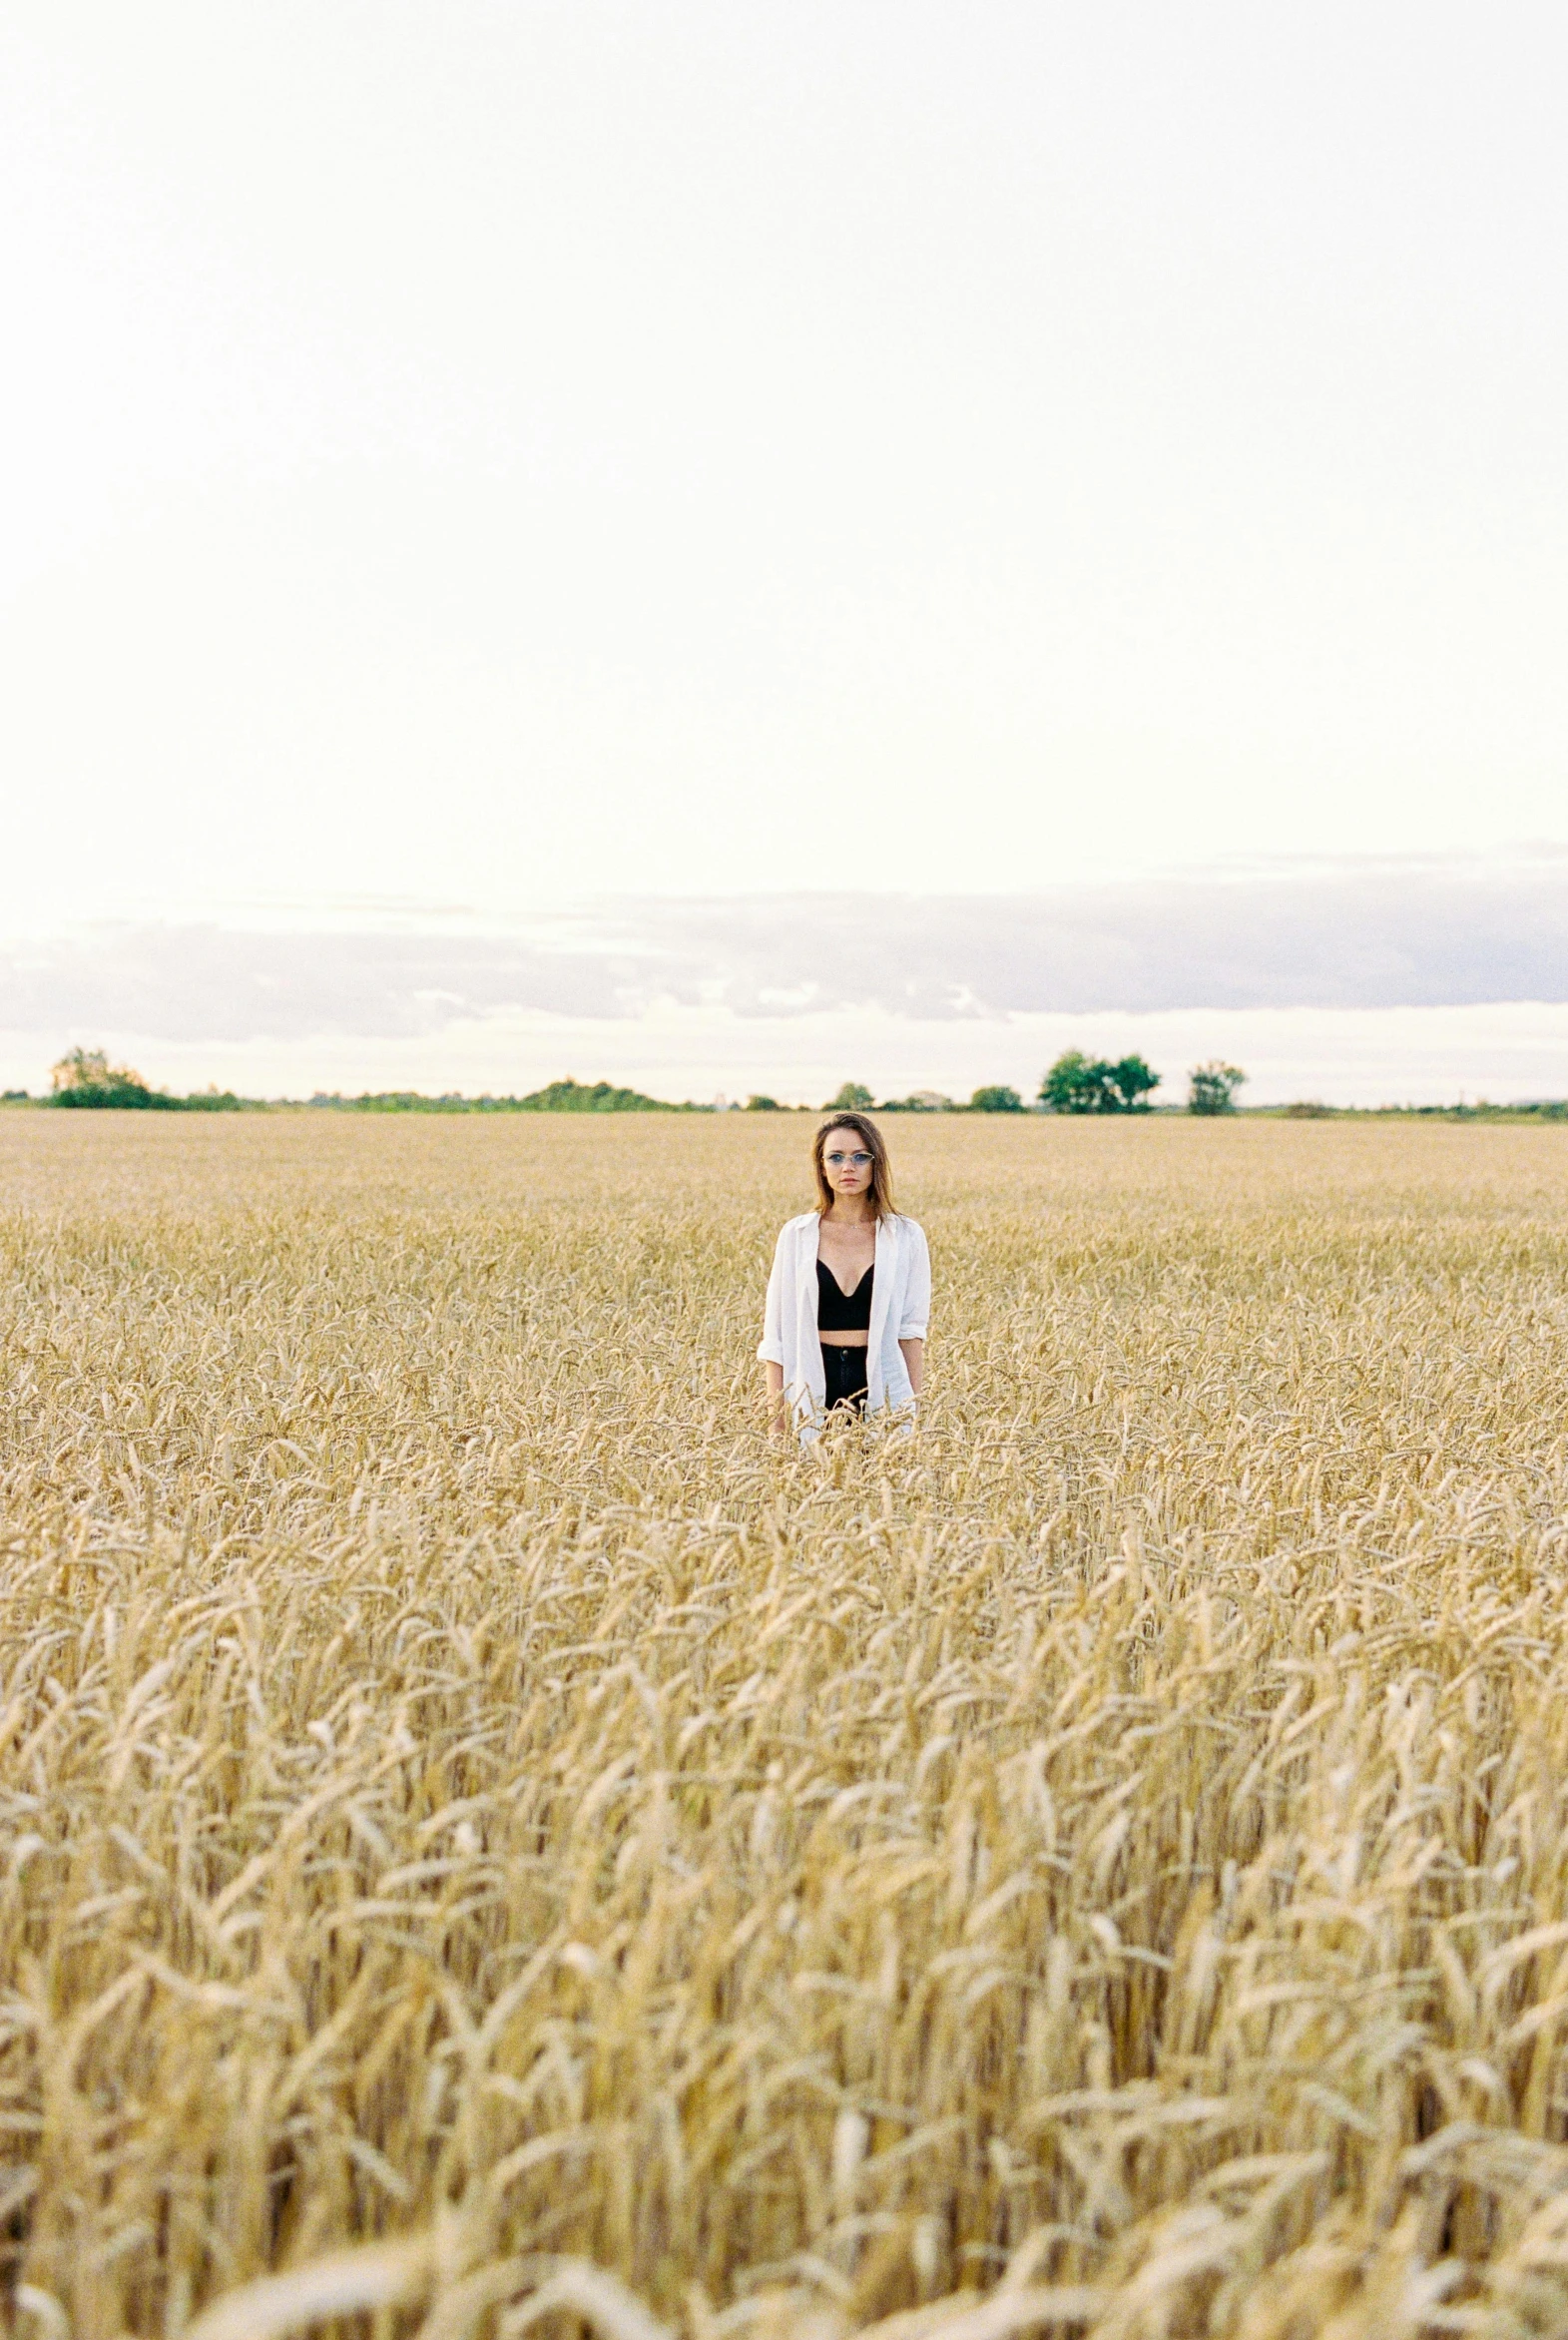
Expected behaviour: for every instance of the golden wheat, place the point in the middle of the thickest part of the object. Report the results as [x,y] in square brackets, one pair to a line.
[491,1840]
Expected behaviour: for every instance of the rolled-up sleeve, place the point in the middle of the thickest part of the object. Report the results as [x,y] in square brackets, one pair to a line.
[915,1305]
[769,1349]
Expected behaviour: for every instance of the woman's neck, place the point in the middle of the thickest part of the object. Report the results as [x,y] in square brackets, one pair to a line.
[856,1214]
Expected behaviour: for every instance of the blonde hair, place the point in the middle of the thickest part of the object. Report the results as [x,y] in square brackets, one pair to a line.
[881,1168]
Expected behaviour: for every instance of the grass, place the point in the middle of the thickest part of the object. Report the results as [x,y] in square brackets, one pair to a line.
[486,1839]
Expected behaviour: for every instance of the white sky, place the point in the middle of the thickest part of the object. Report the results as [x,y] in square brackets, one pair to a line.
[495,456]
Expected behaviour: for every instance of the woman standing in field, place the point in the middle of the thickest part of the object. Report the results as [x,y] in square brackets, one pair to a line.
[850,1290]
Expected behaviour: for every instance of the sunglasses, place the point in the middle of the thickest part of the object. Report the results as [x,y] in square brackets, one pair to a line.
[856,1161]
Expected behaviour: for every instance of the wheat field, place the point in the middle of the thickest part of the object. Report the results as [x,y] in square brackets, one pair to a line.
[492,1840]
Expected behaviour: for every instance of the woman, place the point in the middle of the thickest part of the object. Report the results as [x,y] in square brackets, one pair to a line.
[850,1290]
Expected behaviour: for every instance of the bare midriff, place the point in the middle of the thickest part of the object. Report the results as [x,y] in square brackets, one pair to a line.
[845,1340]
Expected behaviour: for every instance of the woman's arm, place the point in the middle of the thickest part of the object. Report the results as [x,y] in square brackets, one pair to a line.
[914,1362]
[777,1412]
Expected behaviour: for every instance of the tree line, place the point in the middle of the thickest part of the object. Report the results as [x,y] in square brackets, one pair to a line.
[85,1077]
[1075,1083]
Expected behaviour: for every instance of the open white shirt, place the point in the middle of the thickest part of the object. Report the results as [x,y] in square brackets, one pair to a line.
[900,1306]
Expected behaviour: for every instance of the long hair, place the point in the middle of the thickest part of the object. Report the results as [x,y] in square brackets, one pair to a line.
[881,1168]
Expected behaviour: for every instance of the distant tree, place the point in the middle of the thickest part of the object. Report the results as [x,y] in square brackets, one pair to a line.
[1073,1084]
[572,1096]
[1133,1081]
[918,1101]
[763,1105]
[85,1076]
[1077,1083]
[996,1100]
[1211,1087]
[89,1068]
[854,1098]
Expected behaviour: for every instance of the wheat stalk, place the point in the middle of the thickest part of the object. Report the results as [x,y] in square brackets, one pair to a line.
[486,1839]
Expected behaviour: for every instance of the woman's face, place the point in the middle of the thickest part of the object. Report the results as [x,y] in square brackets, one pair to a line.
[846,1162]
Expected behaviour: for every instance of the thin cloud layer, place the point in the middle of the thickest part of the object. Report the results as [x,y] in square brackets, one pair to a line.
[1446,932]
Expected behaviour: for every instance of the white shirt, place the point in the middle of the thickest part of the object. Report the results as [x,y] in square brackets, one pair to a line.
[900,1306]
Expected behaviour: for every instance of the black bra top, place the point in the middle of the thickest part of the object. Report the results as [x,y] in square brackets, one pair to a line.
[839,1311]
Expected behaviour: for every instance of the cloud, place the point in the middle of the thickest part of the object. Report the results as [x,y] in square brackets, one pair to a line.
[1446,931]
[1440,934]
[200,982]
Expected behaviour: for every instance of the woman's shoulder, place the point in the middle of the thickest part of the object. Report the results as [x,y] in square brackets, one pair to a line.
[796,1225]
[909,1228]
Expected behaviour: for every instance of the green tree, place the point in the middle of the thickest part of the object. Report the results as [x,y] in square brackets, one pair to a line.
[763,1105]
[1211,1087]
[854,1098]
[600,1096]
[1077,1083]
[998,1099]
[85,1076]
[1073,1084]
[1134,1082]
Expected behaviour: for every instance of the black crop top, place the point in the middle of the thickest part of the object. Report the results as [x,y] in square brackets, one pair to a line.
[839,1311]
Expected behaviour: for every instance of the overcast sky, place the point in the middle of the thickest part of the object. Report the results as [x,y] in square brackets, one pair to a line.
[470,465]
